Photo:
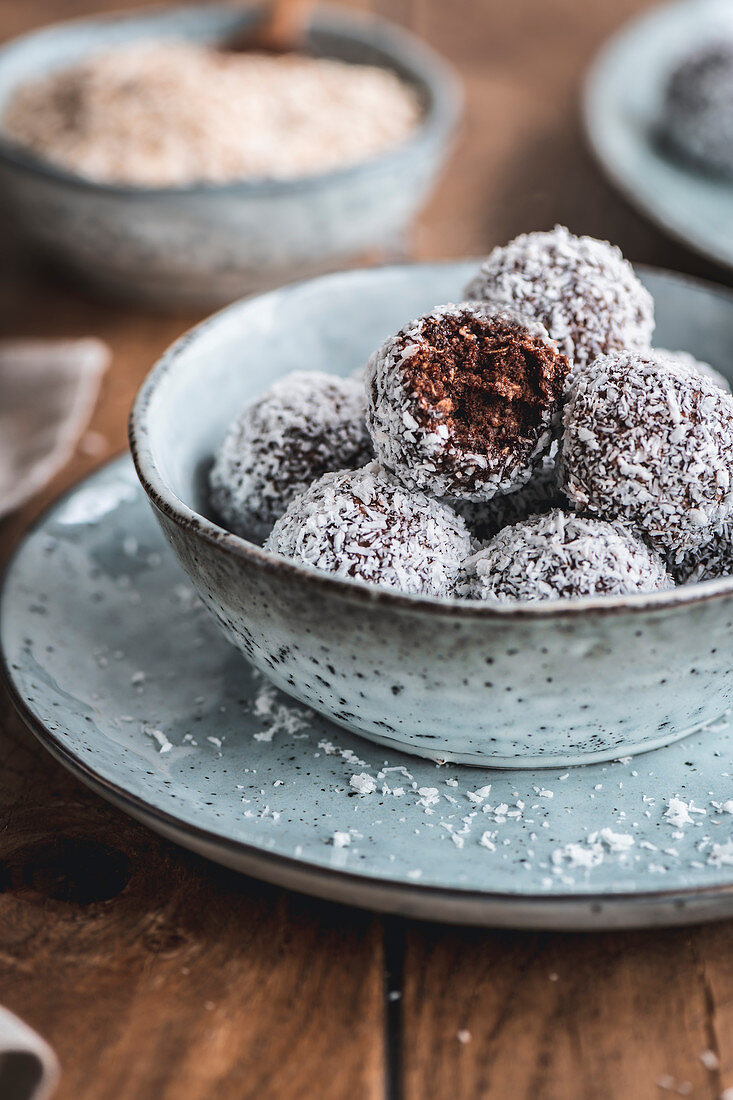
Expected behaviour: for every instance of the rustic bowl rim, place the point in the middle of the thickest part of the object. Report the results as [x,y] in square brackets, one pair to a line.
[428,72]
[166,501]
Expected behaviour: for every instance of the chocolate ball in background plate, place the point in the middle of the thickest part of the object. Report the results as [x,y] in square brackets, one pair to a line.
[697,111]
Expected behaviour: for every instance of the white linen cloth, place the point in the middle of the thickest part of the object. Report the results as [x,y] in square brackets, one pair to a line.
[48,389]
[29,1069]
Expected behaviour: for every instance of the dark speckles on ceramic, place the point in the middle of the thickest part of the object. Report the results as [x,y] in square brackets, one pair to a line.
[568,682]
[208,244]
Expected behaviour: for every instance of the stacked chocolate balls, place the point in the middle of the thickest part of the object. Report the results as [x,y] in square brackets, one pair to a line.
[525,444]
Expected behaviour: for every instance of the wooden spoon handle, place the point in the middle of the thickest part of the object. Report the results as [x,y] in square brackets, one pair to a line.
[281,27]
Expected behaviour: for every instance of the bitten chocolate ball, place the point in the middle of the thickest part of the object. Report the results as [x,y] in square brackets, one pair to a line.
[485,519]
[307,424]
[582,290]
[697,110]
[462,403]
[711,561]
[649,442]
[365,524]
[560,556]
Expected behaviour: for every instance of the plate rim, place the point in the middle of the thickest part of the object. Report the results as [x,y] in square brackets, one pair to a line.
[586,912]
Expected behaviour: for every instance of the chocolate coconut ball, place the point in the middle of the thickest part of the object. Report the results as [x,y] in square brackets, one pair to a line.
[697,112]
[649,442]
[365,524]
[711,561]
[462,403]
[560,556]
[582,290]
[485,519]
[697,366]
[307,424]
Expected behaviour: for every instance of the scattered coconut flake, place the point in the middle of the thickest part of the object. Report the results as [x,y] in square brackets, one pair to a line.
[429,797]
[578,855]
[160,737]
[721,855]
[363,783]
[671,1084]
[617,842]
[282,718]
[678,813]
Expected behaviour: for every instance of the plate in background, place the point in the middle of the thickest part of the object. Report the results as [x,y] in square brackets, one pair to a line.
[621,103]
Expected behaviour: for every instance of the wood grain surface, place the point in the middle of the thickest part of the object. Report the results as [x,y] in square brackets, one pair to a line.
[157,975]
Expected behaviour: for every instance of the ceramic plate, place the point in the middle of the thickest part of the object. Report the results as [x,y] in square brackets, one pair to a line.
[622,105]
[119,671]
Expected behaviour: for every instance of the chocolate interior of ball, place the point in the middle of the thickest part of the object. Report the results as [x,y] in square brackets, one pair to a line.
[491,381]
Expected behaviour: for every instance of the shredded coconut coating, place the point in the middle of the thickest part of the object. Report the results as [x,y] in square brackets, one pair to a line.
[541,493]
[697,111]
[560,556]
[170,113]
[697,366]
[649,442]
[463,403]
[365,524]
[307,424]
[711,561]
[582,290]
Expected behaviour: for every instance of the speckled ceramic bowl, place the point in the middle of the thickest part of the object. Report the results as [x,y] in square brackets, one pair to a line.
[535,684]
[211,243]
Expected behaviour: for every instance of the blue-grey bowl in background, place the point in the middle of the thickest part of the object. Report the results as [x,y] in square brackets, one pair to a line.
[209,243]
[550,683]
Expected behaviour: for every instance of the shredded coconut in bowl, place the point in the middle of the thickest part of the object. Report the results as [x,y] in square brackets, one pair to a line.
[560,555]
[365,524]
[171,113]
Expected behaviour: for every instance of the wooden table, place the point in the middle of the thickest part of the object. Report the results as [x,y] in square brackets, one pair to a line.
[157,975]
